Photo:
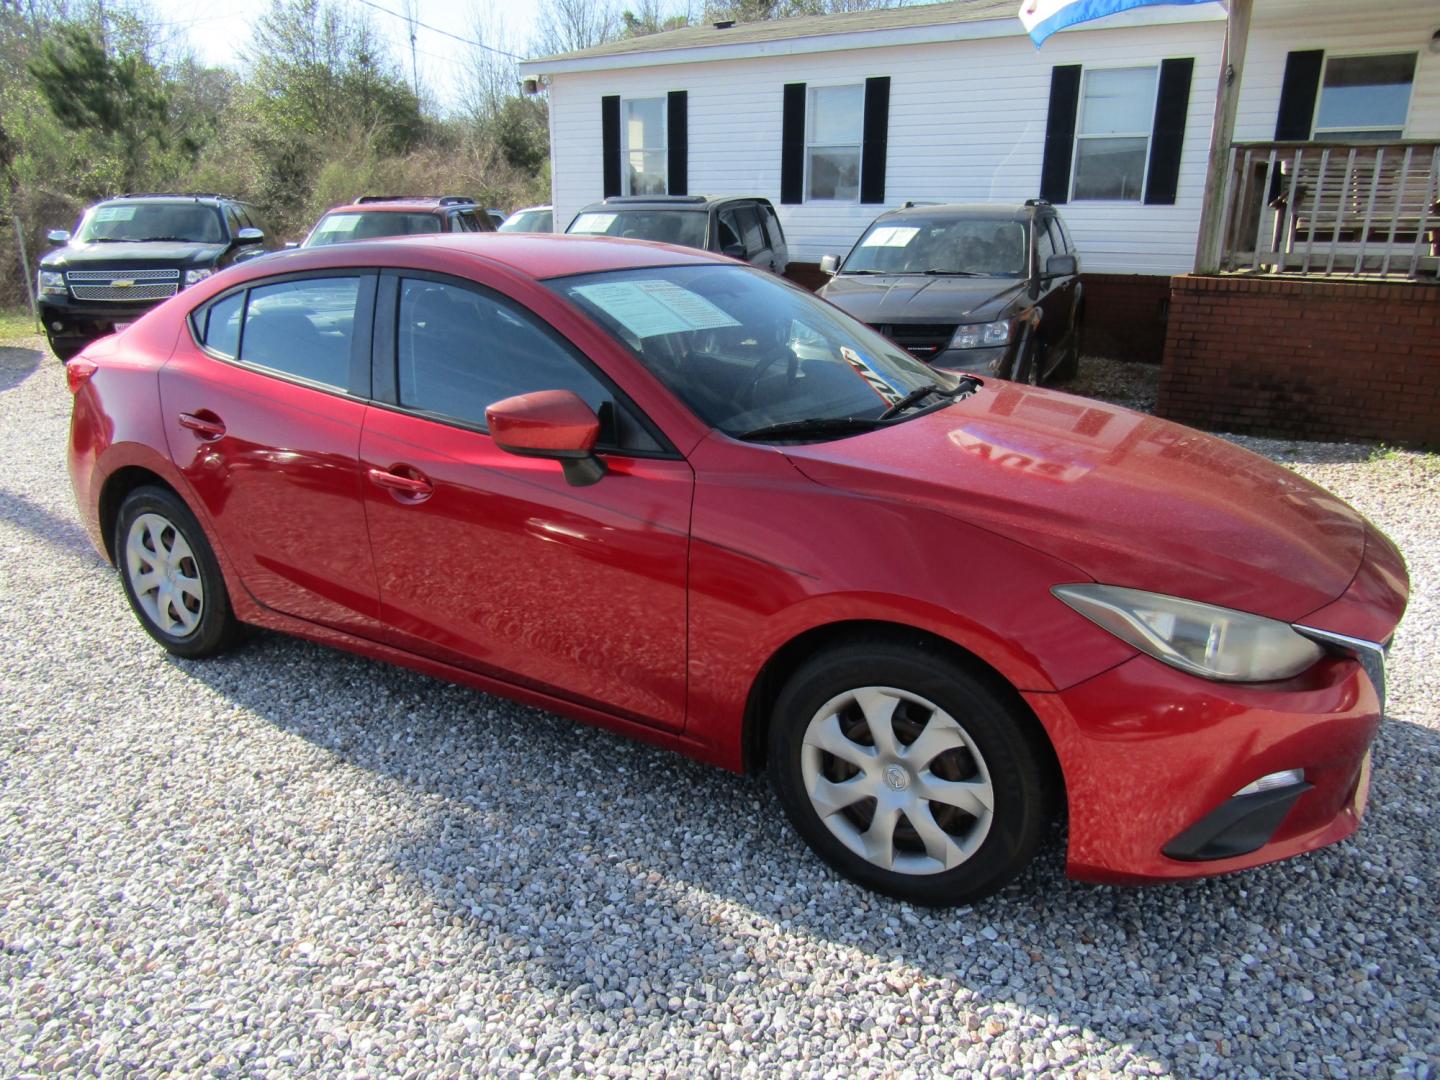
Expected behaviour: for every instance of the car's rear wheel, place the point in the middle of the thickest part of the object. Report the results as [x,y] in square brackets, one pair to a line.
[171,575]
[907,773]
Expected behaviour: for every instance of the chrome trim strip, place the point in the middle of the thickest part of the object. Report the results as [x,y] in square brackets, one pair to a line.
[1370,654]
[138,274]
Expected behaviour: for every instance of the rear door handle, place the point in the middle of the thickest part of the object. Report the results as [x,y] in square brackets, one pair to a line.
[208,426]
[410,488]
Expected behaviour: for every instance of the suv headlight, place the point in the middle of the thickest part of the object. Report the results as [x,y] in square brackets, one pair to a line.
[981,335]
[1212,642]
[193,277]
[52,283]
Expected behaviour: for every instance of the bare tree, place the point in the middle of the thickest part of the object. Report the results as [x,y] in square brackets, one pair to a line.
[568,25]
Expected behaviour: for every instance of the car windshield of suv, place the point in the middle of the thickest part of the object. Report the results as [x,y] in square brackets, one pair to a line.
[683,227]
[985,247]
[116,223]
[528,221]
[747,352]
[369,224]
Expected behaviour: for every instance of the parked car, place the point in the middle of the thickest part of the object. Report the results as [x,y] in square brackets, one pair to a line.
[532,219]
[497,216]
[688,501]
[372,216]
[129,253]
[740,226]
[984,288]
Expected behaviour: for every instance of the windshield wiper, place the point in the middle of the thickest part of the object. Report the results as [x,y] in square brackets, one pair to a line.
[159,239]
[847,273]
[912,398]
[953,273]
[814,425]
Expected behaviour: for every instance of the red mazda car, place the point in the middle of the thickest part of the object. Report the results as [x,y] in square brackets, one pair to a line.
[671,495]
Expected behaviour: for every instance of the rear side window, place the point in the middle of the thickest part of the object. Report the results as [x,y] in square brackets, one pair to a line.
[302,328]
[219,329]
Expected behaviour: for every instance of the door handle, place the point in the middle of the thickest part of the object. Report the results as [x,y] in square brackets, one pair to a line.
[411,488]
[206,425]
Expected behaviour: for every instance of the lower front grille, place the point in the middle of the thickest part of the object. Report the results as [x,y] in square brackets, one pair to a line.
[921,340]
[157,291]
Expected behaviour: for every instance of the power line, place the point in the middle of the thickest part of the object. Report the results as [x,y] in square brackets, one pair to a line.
[437,30]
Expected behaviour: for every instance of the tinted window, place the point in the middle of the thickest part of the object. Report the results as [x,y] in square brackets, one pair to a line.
[994,247]
[528,221]
[366,225]
[683,227]
[751,230]
[219,326]
[120,222]
[729,230]
[303,328]
[1062,234]
[1044,245]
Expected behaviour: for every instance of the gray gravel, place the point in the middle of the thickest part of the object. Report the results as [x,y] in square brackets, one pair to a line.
[291,861]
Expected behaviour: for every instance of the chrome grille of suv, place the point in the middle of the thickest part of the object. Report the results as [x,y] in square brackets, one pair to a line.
[141,285]
[920,340]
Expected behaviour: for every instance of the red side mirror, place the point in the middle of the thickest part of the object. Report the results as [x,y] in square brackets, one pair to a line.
[550,424]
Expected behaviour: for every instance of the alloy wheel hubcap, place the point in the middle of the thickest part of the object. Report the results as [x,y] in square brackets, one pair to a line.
[164,574]
[897,780]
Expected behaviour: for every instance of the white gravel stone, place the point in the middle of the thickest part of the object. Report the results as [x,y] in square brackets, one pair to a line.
[293,861]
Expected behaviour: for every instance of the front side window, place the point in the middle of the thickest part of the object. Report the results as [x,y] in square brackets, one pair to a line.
[1365,97]
[683,227]
[645,151]
[834,132]
[302,329]
[982,247]
[120,223]
[745,351]
[369,224]
[1112,138]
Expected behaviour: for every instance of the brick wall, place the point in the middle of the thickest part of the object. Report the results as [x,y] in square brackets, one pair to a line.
[1304,359]
[1124,313]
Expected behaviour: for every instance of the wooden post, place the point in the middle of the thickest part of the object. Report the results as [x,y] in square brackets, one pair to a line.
[1222,134]
[25,270]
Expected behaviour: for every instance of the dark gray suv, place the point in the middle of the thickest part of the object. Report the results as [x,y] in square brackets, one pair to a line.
[741,226]
[989,289]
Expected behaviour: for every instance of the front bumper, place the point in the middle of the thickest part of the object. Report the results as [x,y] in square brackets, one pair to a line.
[71,320]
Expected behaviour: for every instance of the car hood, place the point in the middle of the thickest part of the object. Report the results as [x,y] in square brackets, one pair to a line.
[917,298]
[128,256]
[1126,498]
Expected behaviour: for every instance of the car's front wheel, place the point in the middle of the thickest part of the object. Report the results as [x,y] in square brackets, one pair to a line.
[908,773]
[171,575]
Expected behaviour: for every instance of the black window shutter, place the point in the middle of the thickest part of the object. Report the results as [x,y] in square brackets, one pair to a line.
[1297,95]
[1171,106]
[877,136]
[610,137]
[677,142]
[792,145]
[1060,133]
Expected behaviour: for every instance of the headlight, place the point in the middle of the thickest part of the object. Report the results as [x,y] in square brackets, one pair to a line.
[192,277]
[980,335]
[52,283]
[1213,642]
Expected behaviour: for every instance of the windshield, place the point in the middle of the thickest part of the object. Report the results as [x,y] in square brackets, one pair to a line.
[528,221]
[683,227]
[946,245]
[366,225]
[745,351]
[115,223]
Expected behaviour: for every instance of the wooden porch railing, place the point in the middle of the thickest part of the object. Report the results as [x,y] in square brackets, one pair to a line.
[1333,209]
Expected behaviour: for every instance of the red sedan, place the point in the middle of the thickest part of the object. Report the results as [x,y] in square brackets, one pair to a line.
[671,495]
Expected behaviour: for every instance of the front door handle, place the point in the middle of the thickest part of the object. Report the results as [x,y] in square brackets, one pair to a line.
[412,488]
[205,424]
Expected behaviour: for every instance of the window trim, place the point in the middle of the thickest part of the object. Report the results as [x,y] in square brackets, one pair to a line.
[361,340]
[1319,135]
[386,361]
[663,149]
[811,144]
[1149,134]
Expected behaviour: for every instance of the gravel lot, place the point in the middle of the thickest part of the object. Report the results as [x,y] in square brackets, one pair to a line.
[292,861]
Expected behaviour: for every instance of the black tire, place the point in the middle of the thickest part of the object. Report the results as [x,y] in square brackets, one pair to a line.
[1069,365]
[1007,750]
[216,628]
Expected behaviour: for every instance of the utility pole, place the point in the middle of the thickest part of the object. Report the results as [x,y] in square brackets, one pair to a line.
[412,17]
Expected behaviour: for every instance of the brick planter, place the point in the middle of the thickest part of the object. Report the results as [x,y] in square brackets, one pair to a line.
[1304,359]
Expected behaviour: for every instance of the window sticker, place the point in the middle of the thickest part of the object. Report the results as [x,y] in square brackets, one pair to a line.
[650,308]
[114,213]
[894,236]
[339,223]
[593,223]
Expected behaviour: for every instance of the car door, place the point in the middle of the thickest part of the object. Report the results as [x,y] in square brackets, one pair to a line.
[263,401]
[1051,300]
[1061,297]
[494,562]
[776,236]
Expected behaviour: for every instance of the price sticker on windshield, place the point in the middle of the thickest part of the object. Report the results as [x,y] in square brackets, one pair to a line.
[114,213]
[895,236]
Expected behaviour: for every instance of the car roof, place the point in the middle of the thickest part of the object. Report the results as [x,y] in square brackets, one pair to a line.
[406,203]
[958,211]
[178,196]
[528,209]
[667,202]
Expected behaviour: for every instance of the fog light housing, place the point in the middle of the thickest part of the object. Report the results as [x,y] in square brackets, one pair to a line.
[1273,782]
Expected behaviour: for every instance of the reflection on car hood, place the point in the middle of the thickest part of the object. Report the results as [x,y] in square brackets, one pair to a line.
[118,256]
[922,298]
[1129,499]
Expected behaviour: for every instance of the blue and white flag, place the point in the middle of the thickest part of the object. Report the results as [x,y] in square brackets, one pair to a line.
[1042,18]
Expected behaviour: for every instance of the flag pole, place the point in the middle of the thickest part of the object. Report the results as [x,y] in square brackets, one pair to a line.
[1222,134]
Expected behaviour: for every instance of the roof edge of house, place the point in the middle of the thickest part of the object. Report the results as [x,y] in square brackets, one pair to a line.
[844,40]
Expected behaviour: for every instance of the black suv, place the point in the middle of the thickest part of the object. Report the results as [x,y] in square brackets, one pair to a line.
[741,226]
[990,289]
[131,252]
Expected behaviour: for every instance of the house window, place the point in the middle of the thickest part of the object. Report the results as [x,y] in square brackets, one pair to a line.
[645,150]
[1112,137]
[833,136]
[1365,97]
